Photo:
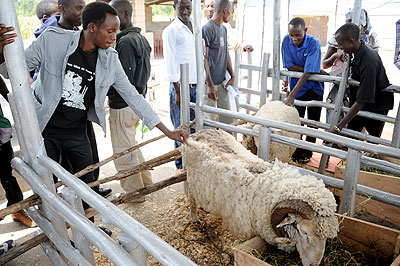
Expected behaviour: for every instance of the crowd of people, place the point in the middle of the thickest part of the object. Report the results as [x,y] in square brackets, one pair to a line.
[73,68]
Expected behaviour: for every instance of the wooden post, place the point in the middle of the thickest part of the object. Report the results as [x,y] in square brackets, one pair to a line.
[133,248]
[80,241]
[276,51]
[264,77]
[350,182]
[265,143]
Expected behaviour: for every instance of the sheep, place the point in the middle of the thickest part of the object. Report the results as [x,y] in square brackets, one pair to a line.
[253,197]
[278,111]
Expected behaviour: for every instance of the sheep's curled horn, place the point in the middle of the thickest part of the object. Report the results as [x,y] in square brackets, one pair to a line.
[282,209]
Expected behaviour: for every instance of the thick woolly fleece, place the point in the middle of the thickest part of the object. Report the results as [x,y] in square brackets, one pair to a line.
[227,180]
[277,111]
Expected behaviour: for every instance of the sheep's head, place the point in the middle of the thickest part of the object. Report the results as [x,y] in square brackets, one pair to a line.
[292,221]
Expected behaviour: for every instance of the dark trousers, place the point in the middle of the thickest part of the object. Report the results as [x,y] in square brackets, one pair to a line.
[374,127]
[76,148]
[9,182]
[313,113]
[95,154]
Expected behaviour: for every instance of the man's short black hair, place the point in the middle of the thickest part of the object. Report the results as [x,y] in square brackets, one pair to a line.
[177,1]
[96,12]
[298,21]
[348,31]
[64,2]
[122,5]
[45,8]
[220,5]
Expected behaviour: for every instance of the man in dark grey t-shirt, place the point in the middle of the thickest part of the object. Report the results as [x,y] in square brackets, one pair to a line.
[217,59]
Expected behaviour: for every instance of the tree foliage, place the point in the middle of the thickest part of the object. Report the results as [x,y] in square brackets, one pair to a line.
[26,8]
[162,10]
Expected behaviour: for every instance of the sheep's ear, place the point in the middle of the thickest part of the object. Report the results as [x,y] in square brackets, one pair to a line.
[282,240]
[288,220]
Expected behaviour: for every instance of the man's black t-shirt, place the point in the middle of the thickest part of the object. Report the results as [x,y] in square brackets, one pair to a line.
[368,69]
[78,95]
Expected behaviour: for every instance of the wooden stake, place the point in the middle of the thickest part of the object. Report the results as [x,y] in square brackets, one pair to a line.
[147,165]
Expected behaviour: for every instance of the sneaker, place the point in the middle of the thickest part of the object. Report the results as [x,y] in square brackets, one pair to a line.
[179,171]
[6,246]
[22,217]
[106,230]
[300,160]
[104,191]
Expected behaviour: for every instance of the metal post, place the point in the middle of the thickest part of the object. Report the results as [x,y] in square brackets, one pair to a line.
[80,241]
[185,105]
[199,63]
[236,68]
[350,182]
[276,51]
[17,71]
[396,131]
[52,254]
[335,115]
[249,78]
[133,248]
[265,143]
[264,76]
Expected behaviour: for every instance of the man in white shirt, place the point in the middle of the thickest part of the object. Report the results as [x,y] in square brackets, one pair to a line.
[178,45]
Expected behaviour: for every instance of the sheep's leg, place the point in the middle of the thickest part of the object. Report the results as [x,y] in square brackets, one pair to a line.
[193,209]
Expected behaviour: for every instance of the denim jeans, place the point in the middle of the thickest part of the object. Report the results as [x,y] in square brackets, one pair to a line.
[175,114]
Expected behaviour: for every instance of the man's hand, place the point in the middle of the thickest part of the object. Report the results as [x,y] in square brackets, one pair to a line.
[323,72]
[178,135]
[340,55]
[231,82]
[5,39]
[290,99]
[213,93]
[248,48]
[285,87]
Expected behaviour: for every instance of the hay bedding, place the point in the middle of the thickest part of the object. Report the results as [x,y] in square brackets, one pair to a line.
[206,243]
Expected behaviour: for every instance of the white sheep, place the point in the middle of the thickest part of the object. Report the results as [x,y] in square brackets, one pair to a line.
[253,197]
[278,111]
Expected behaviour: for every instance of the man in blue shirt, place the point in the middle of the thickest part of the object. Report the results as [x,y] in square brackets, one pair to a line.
[301,52]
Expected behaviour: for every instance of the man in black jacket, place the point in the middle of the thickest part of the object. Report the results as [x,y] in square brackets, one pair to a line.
[134,54]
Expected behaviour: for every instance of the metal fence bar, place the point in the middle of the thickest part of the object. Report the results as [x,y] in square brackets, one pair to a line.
[200,88]
[80,242]
[104,243]
[249,77]
[32,141]
[350,182]
[276,51]
[330,137]
[62,245]
[153,244]
[185,105]
[236,68]
[264,83]
[375,194]
[396,130]
[265,143]
[52,254]
[133,248]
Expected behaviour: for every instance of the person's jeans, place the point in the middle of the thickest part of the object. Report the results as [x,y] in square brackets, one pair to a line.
[175,114]
[8,181]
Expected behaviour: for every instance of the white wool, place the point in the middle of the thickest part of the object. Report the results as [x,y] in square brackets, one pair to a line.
[277,111]
[229,181]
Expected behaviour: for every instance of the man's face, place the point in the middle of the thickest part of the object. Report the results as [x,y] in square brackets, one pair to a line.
[297,34]
[105,34]
[121,14]
[209,8]
[184,9]
[227,14]
[346,45]
[72,12]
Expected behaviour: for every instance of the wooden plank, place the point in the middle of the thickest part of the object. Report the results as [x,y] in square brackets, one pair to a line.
[385,183]
[396,262]
[242,254]
[368,237]
[245,259]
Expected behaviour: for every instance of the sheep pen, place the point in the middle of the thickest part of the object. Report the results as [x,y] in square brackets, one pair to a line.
[278,111]
[253,197]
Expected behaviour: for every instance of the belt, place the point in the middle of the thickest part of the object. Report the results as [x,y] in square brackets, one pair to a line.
[192,85]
